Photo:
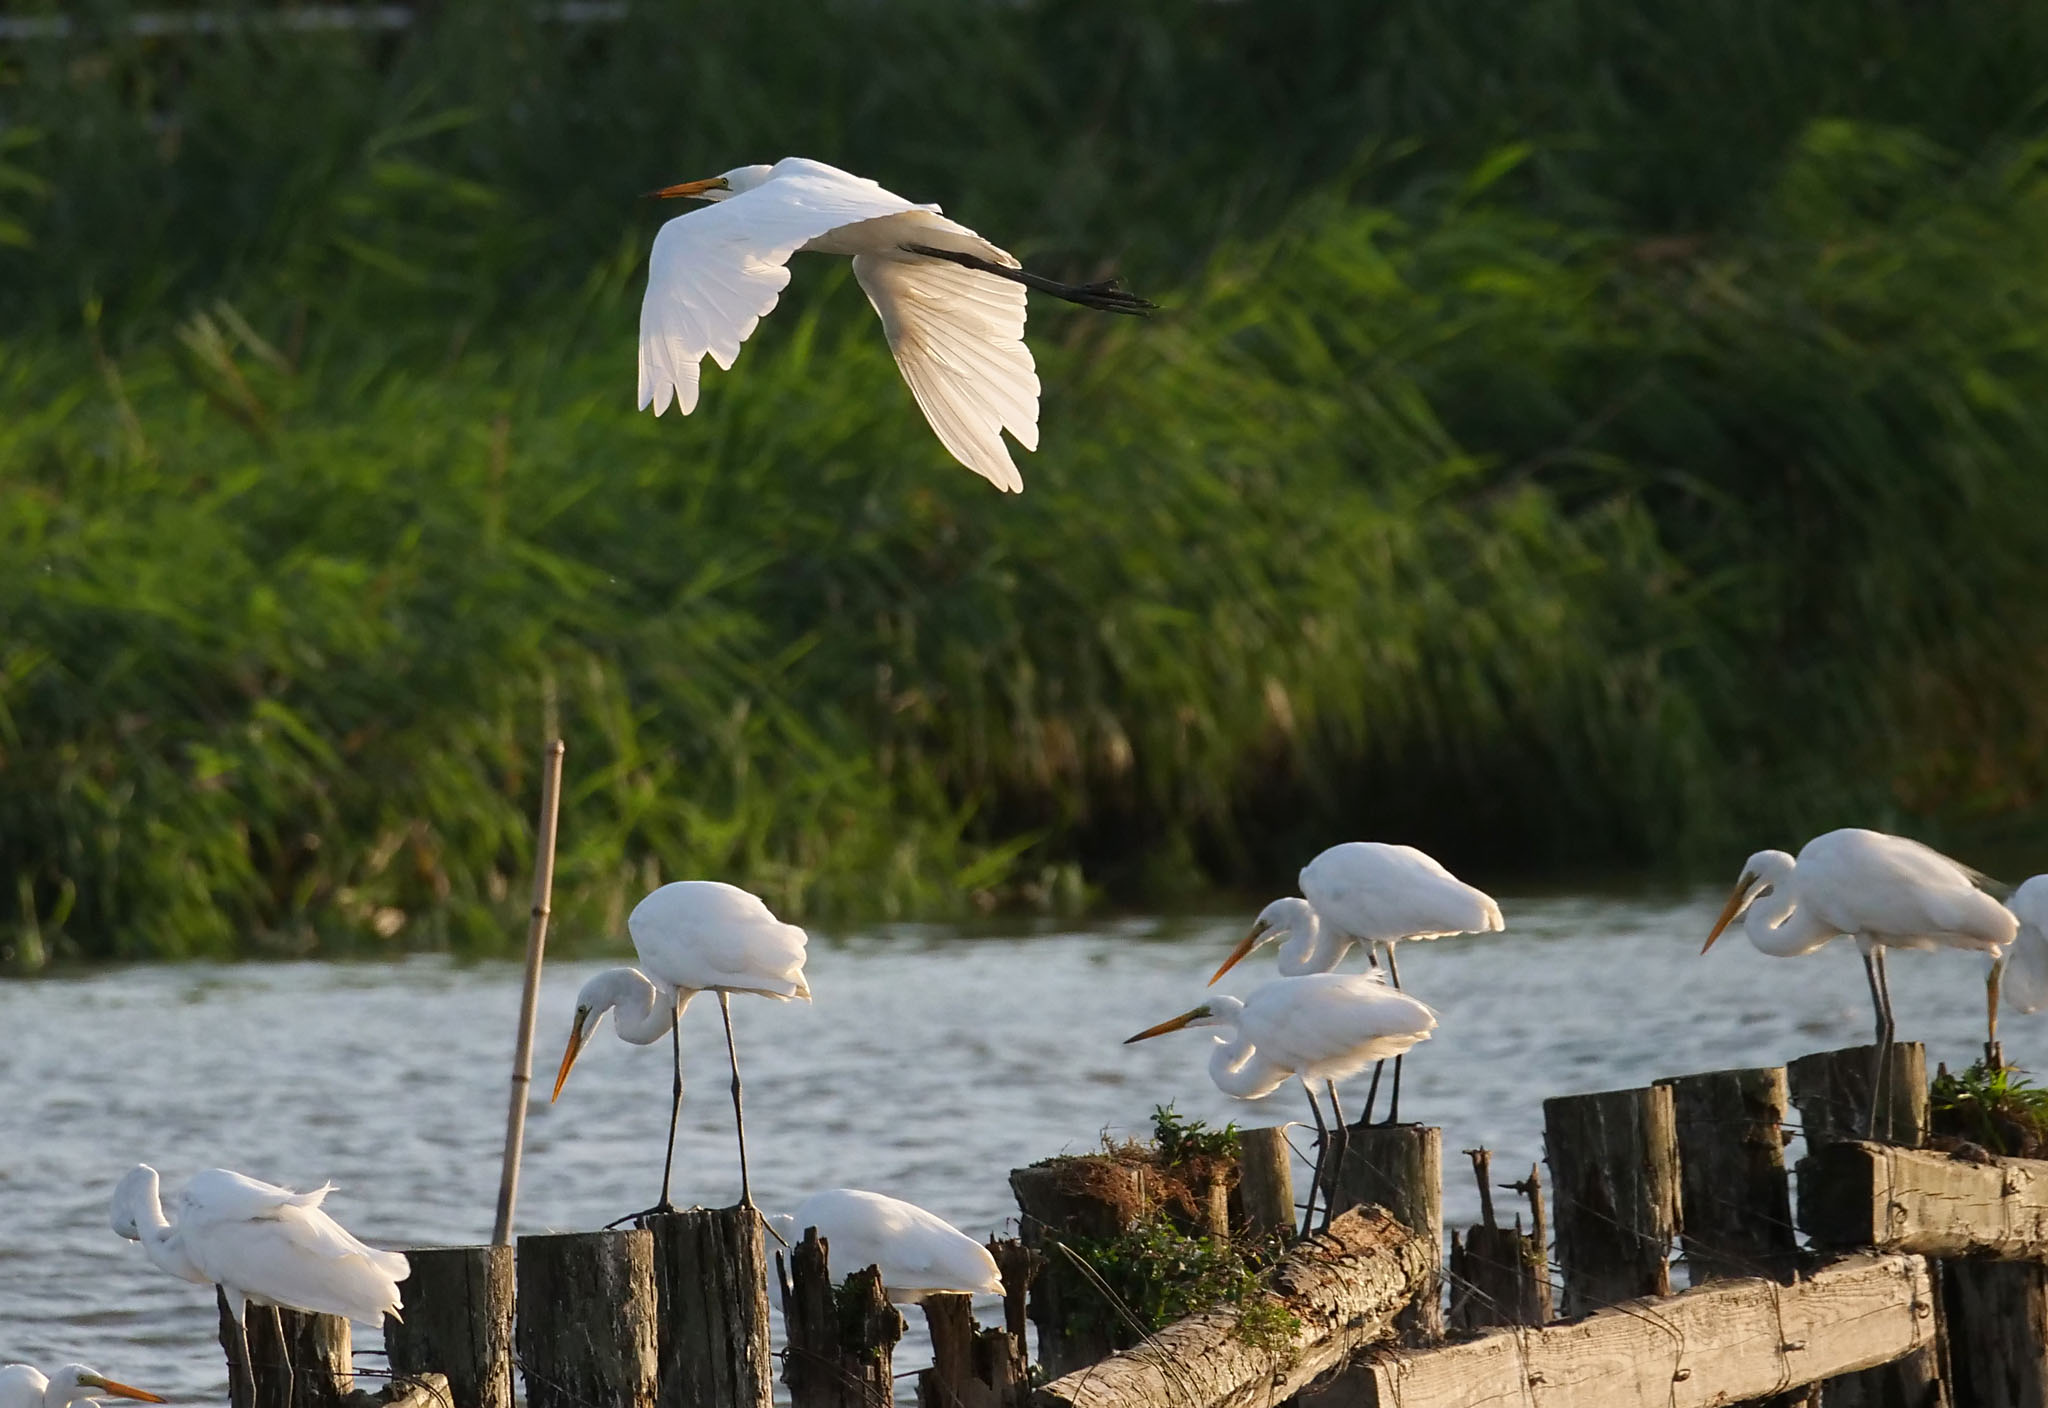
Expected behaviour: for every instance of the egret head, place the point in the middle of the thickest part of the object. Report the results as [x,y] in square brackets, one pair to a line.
[1759,874]
[734,182]
[136,1190]
[1203,1016]
[1276,921]
[74,1383]
[597,997]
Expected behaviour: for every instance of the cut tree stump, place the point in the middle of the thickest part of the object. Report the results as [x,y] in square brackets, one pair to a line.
[586,1319]
[1735,1201]
[1400,1168]
[1614,1193]
[457,1306]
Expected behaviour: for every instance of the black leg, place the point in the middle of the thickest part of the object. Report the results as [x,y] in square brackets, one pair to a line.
[1394,1100]
[1342,1132]
[1372,1092]
[675,1110]
[1105,297]
[1322,1150]
[1993,1057]
[1885,1042]
[1877,1046]
[739,1118]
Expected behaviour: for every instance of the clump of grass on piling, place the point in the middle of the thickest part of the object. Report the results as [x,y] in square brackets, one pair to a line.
[1994,1107]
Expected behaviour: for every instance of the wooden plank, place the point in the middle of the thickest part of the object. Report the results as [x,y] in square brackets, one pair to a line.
[1343,1287]
[1918,1200]
[1614,1193]
[1712,1345]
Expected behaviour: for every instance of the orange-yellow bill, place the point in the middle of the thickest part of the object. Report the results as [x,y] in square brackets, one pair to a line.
[1731,909]
[1244,946]
[569,1055]
[1171,1025]
[118,1390]
[690,188]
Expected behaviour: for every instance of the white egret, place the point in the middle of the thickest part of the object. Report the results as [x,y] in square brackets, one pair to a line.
[2025,963]
[1318,1027]
[1883,891]
[692,936]
[258,1242]
[918,1253]
[25,1386]
[1373,893]
[951,303]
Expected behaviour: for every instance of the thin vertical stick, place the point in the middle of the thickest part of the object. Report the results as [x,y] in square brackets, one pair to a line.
[536,943]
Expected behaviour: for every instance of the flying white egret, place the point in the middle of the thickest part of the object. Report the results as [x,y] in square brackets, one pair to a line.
[951,303]
[1372,893]
[1318,1027]
[918,1253]
[1883,891]
[25,1386]
[258,1242]
[692,936]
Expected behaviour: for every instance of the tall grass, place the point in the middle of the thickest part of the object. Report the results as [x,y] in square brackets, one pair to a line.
[1575,439]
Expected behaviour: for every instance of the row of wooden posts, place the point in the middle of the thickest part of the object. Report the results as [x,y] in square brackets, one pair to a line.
[1923,1282]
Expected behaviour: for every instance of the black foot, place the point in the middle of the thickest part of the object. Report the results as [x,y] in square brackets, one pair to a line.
[1108,297]
[639,1219]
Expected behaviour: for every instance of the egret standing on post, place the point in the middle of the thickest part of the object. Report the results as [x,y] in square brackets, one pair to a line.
[25,1386]
[1321,1027]
[1372,893]
[951,303]
[692,936]
[1883,891]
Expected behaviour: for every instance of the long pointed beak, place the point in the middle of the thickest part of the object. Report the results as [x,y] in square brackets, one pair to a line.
[1731,909]
[1244,946]
[690,188]
[569,1055]
[1171,1025]
[119,1390]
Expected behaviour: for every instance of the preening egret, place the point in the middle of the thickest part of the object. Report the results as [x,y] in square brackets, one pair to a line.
[2026,959]
[1319,1027]
[258,1242]
[1884,892]
[692,936]
[918,1253]
[951,303]
[25,1386]
[1373,893]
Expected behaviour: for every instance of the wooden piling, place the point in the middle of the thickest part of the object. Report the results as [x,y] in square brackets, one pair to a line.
[1074,1324]
[973,1367]
[711,1297]
[1265,1181]
[841,1338]
[457,1307]
[1400,1168]
[586,1313]
[1614,1175]
[1996,1314]
[1735,1199]
[1832,1092]
[1498,1275]
[301,1359]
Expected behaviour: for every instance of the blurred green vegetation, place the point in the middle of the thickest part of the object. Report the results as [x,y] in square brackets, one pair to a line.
[1579,436]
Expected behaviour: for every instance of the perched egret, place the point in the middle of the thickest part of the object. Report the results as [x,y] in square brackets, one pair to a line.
[1318,1027]
[1883,891]
[25,1386]
[2026,960]
[692,936]
[951,303]
[918,1253]
[258,1242]
[1372,893]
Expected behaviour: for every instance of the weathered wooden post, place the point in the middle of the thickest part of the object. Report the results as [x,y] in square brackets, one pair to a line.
[711,1298]
[1832,1091]
[301,1360]
[1073,1322]
[1400,1168]
[1614,1174]
[973,1367]
[841,1339]
[457,1305]
[1735,1199]
[1996,1314]
[1498,1275]
[586,1319]
[1265,1180]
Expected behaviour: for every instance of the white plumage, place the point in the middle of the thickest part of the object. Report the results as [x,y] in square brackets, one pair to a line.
[259,1242]
[917,1252]
[2026,961]
[957,332]
[25,1386]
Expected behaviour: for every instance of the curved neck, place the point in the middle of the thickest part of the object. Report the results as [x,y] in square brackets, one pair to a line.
[1236,1071]
[1312,946]
[1779,925]
[644,1009]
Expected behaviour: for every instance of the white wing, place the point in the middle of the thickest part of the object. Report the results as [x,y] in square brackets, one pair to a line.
[714,273]
[703,934]
[917,1251]
[958,338]
[275,1245]
[1899,892]
[1373,890]
[1329,1025]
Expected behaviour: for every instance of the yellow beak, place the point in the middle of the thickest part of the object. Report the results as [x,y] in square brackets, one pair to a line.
[119,1390]
[575,1049]
[1172,1025]
[1244,946]
[1731,909]
[690,188]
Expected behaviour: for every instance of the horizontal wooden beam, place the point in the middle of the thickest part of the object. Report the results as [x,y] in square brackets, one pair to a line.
[1339,1291]
[1916,1200]
[1715,1344]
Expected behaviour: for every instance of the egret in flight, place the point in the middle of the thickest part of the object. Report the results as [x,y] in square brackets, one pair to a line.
[1883,891]
[25,1386]
[692,936]
[1319,1027]
[918,1253]
[951,303]
[258,1242]
[1372,893]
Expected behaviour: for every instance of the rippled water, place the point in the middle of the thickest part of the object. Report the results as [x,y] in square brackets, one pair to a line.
[930,1064]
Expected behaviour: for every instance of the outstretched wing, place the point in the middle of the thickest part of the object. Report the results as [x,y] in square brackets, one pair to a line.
[716,272]
[958,337]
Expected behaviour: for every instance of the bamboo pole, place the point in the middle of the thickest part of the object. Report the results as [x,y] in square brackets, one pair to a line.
[536,943]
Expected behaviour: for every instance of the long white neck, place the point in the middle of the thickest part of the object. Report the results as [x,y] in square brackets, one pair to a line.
[1778,924]
[1312,946]
[644,1009]
[138,1214]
